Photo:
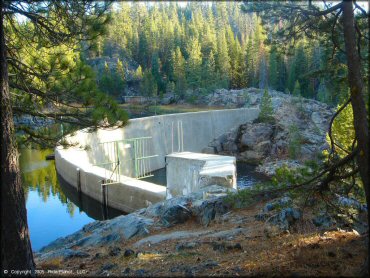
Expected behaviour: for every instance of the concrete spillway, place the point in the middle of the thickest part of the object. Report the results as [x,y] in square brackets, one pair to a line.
[169,133]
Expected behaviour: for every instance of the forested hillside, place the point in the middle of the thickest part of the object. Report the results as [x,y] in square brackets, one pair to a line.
[171,48]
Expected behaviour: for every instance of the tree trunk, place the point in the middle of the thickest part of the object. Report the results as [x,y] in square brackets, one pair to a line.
[16,252]
[356,85]
[357,97]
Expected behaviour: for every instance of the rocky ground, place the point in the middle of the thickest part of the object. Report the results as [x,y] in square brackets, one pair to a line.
[201,235]
[297,134]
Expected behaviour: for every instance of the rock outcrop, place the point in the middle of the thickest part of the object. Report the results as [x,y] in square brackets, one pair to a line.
[204,205]
[296,134]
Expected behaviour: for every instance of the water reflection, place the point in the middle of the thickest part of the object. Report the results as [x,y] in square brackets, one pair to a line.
[247,175]
[54,209]
[39,175]
[90,206]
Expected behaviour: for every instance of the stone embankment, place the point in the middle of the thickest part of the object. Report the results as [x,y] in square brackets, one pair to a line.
[297,134]
[203,205]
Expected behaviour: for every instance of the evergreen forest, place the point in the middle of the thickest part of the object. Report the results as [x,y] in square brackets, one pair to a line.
[167,47]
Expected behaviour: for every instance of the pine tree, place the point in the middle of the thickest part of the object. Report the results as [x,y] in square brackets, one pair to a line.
[179,72]
[222,58]
[193,64]
[323,94]
[301,69]
[273,69]
[178,65]
[209,80]
[249,62]
[266,109]
[297,89]
[149,85]
[292,76]
[138,73]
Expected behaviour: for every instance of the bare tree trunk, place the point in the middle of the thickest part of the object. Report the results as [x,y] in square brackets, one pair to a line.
[356,85]
[357,97]
[16,252]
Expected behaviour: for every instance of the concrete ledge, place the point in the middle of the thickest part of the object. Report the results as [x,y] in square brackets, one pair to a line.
[199,128]
[128,195]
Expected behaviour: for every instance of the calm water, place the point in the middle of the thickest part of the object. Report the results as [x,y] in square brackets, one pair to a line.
[55,209]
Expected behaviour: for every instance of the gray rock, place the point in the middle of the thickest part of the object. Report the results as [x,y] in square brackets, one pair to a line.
[276,102]
[256,133]
[103,233]
[128,253]
[175,215]
[263,147]
[269,207]
[350,203]
[133,225]
[253,100]
[124,227]
[286,218]
[269,168]
[206,210]
[252,157]
[178,235]
[216,145]
[229,146]
[316,118]
[64,253]
[323,220]
[283,202]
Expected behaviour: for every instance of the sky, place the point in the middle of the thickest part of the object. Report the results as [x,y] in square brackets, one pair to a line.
[363,4]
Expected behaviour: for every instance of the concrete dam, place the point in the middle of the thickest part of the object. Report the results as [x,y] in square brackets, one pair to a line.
[108,164]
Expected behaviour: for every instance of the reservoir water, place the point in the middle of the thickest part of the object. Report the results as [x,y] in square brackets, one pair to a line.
[55,209]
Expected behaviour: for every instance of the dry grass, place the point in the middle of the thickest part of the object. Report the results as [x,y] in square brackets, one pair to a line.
[56,263]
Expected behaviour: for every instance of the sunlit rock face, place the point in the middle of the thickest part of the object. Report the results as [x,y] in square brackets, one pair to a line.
[297,133]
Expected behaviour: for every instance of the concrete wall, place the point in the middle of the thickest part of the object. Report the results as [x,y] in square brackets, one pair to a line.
[189,172]
[199,128]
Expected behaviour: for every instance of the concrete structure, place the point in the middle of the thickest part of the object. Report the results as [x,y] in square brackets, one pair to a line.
[188,172]
[135,99]
[170,133]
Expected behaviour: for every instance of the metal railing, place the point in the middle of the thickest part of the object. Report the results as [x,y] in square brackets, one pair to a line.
[132,153]
[140,156]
